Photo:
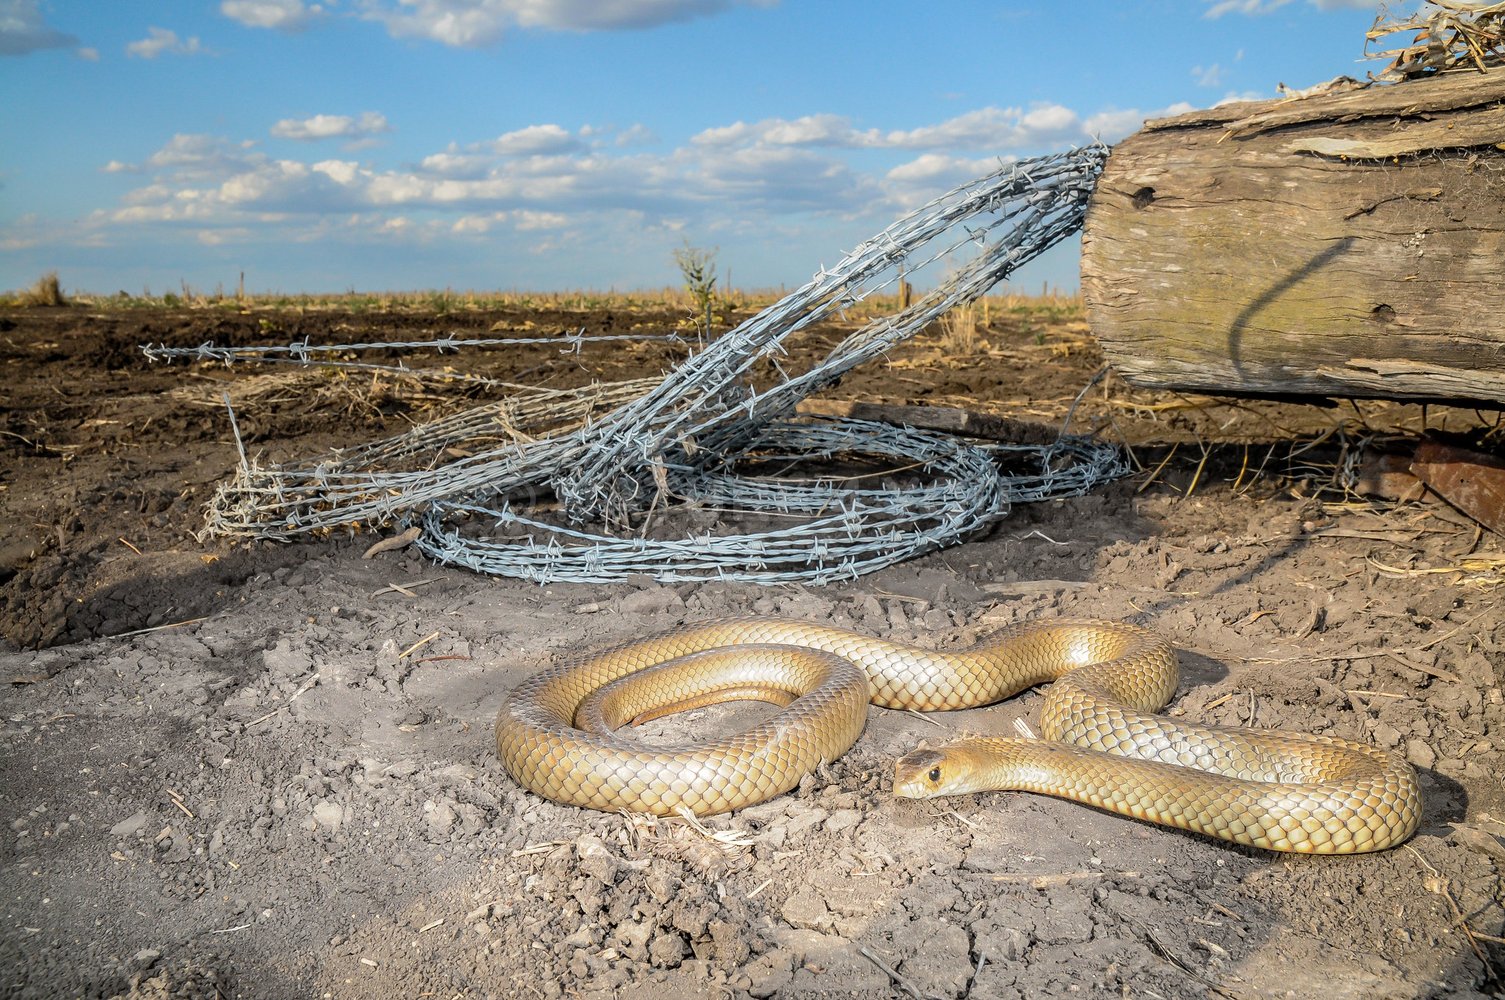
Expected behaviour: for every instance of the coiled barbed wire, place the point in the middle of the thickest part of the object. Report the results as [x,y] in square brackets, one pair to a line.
[596,484]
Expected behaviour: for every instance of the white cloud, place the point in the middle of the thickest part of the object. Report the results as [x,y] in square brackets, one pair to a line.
[219,237]
[1111,126]
[476,224]
[282,15]
[368,123]
[990,128]
[23,29]
[453,163]
[573,189]
[814,130]
[828,130]
[545,170]
[535,140]
[1208,76]
[585,15]
[150,194]
[542,143]
[917,181]
[190,159]
[527,221]
[280,186]
[1256,8]
[636,135]
[521,220]
[160,41]
[443,21]
[1252,8]
[725,135]
[761,179]
[475,23]
[994,128]
[199,153]
[742,171]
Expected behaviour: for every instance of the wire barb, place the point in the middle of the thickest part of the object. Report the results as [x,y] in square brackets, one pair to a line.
[631,478]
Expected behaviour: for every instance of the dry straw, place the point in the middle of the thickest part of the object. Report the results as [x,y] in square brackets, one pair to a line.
[1448,35]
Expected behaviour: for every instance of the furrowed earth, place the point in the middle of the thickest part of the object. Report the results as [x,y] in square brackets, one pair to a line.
[247,769]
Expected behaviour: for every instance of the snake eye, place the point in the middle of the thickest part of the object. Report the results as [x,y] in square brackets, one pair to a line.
[935,774]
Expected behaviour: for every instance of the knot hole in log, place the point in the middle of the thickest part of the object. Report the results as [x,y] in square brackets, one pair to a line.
[1143,197]
[1382,314]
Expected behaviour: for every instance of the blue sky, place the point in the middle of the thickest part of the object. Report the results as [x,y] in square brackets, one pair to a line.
[569,144]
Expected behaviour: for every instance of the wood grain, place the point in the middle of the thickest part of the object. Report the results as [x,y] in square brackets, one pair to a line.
[1346,245]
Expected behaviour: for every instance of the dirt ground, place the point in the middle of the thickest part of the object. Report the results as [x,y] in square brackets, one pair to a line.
[255,770]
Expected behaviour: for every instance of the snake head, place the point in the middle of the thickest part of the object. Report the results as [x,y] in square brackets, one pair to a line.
[926,774]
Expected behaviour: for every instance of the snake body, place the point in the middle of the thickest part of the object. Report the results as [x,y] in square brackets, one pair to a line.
[1103,744]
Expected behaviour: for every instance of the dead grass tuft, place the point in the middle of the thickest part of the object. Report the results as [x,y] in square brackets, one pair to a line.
[45,291]
[1450,34]
[959,330]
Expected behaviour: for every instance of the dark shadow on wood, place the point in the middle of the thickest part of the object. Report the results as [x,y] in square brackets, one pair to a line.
[1274,292]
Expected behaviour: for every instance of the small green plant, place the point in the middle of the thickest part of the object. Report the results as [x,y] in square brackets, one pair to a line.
[698,268]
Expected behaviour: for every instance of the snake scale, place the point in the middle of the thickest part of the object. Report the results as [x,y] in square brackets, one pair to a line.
[1103,743]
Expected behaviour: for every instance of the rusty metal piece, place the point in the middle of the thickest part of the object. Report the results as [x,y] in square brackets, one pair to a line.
[1469,480]
[1387,476]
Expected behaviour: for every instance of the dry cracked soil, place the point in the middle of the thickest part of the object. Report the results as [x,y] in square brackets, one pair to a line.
[251,770]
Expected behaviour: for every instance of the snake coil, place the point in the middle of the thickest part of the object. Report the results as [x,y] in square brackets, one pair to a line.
[1104,745]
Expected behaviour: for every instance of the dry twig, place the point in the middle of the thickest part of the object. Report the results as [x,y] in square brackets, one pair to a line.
[1450,34]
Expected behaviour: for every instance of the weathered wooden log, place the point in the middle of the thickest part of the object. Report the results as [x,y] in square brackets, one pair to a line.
[1351,244]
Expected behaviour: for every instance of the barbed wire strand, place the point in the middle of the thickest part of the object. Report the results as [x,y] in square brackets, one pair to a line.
[644,477]
[303,351]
